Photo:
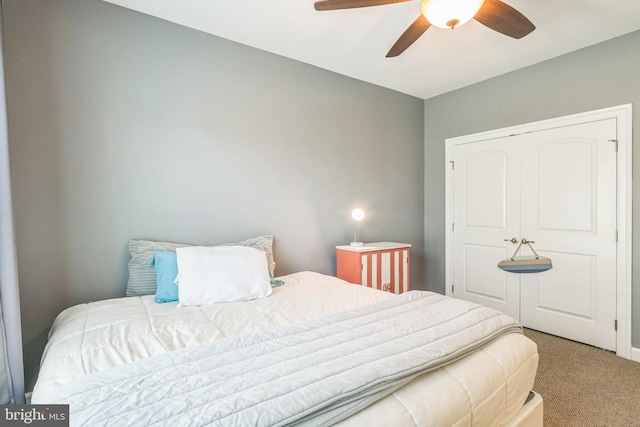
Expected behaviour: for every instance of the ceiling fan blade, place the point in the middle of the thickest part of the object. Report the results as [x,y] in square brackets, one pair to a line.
[350,4]
[409,36]
[504,19]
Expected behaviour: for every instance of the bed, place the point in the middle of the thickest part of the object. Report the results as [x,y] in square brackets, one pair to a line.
[316,351]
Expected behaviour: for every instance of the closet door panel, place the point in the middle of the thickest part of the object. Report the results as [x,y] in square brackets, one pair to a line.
[569,210]
[486,212]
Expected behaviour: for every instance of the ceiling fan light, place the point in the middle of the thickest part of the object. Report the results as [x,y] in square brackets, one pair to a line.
[450,13]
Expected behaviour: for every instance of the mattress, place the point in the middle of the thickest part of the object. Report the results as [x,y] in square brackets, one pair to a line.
[486,388]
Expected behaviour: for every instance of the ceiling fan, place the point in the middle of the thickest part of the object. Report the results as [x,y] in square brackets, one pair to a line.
[494,14]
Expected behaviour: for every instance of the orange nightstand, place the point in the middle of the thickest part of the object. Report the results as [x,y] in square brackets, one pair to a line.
[381,265]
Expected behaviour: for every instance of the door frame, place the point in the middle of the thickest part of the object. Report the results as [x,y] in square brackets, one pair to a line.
[622,114]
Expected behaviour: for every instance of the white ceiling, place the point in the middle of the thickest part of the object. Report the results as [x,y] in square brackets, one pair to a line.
[354,42]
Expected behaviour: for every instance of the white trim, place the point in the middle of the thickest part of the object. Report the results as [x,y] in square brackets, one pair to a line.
[619,112]
[625,221]
[448,212]
[635,354]
[623,117]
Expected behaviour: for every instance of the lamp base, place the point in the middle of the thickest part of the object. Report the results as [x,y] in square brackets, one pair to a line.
[356,243]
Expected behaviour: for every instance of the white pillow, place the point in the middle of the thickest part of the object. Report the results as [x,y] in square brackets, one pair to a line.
[208,275]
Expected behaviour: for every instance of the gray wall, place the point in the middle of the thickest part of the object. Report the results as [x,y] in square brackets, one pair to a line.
[125,126]
[600,76]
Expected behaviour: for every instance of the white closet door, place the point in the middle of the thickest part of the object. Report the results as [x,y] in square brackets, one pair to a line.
[568,207]
[486,207]
[556,187]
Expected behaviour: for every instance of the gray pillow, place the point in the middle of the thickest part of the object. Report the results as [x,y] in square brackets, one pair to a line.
[142,275]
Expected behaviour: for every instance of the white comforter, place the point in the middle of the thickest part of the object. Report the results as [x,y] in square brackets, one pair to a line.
[79,346]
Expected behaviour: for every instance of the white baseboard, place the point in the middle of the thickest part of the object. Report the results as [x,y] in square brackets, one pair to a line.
[635,354]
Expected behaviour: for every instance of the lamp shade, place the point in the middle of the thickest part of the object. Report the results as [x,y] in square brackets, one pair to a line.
[450,13]
[357,214]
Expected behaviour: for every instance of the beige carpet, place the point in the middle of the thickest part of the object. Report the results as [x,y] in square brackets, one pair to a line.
[585,386]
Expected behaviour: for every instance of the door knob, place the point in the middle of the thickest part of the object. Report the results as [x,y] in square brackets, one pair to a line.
[525,240]
[513,240]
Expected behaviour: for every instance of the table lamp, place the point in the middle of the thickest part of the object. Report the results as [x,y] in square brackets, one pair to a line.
[358,215]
